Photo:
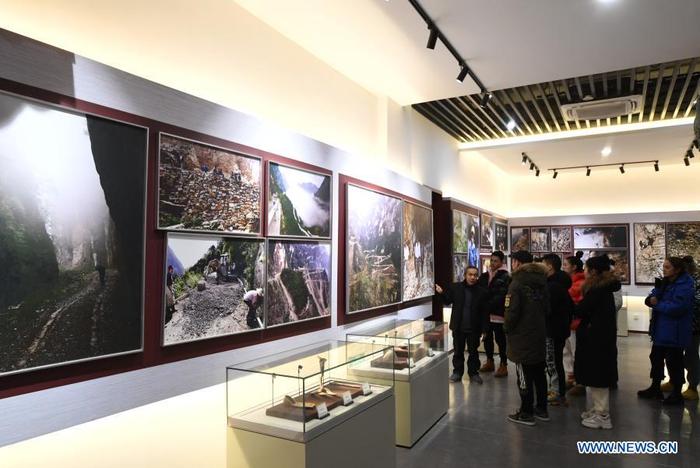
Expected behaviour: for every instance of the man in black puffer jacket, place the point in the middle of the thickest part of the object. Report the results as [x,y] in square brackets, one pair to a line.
[558,326]
[496,282]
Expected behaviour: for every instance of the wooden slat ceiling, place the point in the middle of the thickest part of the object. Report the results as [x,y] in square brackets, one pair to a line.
[669,90]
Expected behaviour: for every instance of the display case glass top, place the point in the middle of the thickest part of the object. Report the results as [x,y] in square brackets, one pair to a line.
[301,393]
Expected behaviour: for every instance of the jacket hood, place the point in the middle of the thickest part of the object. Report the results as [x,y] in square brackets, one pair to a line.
[531,274]
[606,281]
[561,278]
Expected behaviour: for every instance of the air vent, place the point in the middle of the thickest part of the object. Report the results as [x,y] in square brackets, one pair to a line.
[602,108]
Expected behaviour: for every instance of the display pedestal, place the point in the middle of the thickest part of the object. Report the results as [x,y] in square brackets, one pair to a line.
[422,397]
[364,439]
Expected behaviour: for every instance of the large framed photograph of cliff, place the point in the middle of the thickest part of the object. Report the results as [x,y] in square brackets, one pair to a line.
[214,286]
[373,249]
[683,239]
[298,281]
[298,202]
[418,261]
[601,237]
[649,252]
[72,211]
[205,188]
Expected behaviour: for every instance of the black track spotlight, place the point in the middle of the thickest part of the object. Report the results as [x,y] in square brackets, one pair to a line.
[656,166]
[588,172]
[622,169]
[432,39]
[524,158]
[464,69]
[686,161]
[485,99]
[555,175]
[537,172]
[689,154]
[532,165]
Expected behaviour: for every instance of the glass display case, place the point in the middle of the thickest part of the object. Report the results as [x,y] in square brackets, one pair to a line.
[414,344]
[300,393]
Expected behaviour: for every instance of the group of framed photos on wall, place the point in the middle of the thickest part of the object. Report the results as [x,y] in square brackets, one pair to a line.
[653,242]
[475,235]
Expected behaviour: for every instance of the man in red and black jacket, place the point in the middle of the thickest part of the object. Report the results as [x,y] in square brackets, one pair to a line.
[496,282]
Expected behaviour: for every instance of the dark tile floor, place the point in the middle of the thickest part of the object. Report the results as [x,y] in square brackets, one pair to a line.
[475,431]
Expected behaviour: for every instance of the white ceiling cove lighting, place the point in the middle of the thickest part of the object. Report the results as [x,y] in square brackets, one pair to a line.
[605,152]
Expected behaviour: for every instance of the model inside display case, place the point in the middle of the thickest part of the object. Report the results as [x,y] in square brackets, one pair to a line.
[293,394]
[414,344]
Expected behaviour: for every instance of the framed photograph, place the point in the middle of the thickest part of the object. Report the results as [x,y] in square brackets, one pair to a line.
[298,281]
[460,262]
[501,237]
[205,188]
[539,239]
[683,239]
[214,286]
[649,252]
[72,230]
[418,262]
[519,239]
[561,239]
[485,263]
[373,249]
[621,259]
[487,235]
[600,237]
[298,202]
[460,232]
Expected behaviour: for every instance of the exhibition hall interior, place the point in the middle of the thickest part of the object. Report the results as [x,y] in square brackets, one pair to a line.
[349,233]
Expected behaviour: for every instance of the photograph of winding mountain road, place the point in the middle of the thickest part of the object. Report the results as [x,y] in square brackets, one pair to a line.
[71,236]
[299,203]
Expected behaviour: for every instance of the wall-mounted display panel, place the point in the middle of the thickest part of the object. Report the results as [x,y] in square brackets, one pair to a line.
[501,236]
[649,252]
[206,188]
[539,239]
[621,259]
[298,281]
[418,261]
[683,239]
[487,231]
[459,266]
[214,286]
[600,237]
[72,210]
[298,203]
[373,249]
[519,238]
[466,232]
[561,239]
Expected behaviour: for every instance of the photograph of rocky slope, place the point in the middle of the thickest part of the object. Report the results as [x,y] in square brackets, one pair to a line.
[683,239]
[649,252]
[418,262]
[561,239]
[213,287]
[298,281]
[72,206]
[621,259]
[205,188]
[299,203]
[600,237]
[373,249]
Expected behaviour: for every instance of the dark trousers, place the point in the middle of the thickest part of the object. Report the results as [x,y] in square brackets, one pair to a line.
[470,341]
[673,357]
[496,330]
[532,380]
[555,363]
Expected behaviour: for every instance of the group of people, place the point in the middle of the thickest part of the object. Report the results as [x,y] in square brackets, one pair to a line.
[558,324]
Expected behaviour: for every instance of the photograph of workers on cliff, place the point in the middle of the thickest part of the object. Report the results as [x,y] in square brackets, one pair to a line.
[72,191]
[213,287]
[373,249]
[206,188]
[418,265]
[299,203]
[298,281]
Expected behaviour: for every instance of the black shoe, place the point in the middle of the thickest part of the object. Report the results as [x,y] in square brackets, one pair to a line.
[455,377]
[542,415]
[651,393]
[673,399]
[521,418]
[476,378]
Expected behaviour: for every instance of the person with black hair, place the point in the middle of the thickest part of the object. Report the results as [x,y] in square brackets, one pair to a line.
[670,328]
[573,266]
[467,323]
[558,327]
[496,282]
[595,363]
[526,310]
[692,353]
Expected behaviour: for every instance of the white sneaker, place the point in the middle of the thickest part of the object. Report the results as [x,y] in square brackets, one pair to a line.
[598,421]
[587,414]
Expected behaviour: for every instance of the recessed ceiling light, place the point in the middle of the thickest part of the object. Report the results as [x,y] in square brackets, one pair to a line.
[605,152]
[510,125]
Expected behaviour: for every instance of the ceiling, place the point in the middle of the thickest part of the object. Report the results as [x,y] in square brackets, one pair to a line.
[667,145]
[381,44]
[668,91]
